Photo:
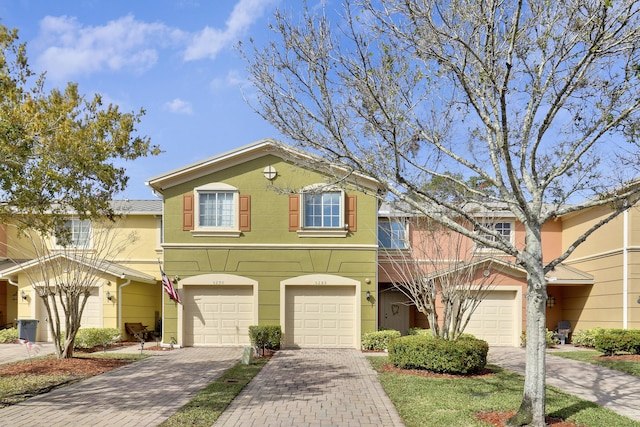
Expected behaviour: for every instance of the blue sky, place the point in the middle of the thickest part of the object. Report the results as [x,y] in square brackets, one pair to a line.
[174,58]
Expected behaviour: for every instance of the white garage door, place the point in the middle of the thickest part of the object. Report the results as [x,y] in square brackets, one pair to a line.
[217,315]
[320,316]
[91,316]
[495,319]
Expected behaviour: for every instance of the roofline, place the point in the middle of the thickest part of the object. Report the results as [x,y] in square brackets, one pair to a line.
[161,182]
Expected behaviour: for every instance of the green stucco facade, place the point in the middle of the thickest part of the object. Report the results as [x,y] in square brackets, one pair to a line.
[269,253]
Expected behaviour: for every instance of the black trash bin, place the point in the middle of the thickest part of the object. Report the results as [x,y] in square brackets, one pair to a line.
[27,329]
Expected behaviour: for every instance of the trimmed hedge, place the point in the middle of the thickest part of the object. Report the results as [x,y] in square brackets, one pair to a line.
[551,339]
[587,337]
[87,338]
[466,355]
[8,335]
[379,340]
[615,341]
[419,331]
[265,337]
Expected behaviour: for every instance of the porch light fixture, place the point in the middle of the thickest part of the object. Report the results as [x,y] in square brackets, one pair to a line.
[369,296]
[109,296]
[23,295]
[551,301]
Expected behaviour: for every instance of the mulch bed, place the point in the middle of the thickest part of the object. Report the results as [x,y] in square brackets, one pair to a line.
[76,366]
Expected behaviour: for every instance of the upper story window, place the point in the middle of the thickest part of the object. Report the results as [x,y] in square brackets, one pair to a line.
[392,234]
[75,233]
[322,211]
[504,229]
[218,210]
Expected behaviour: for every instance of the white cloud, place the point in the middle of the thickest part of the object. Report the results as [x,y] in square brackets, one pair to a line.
[179,106]
[208,42]
[122,44]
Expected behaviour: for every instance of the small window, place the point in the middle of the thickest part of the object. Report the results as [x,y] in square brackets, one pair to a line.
[75,233]
[505,229]
[323,209]
[392,234]
[217,207]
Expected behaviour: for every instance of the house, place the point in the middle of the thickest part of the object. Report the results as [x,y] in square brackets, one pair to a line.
[612,257]
[266,234]
[501,316]
[124,287]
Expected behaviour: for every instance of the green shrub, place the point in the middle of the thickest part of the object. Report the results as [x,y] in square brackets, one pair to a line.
[265,337]
[551,339]
[8,335]
[379,340]
[614,341]
[587,337]
[460,357]
[419,331]
[87,338]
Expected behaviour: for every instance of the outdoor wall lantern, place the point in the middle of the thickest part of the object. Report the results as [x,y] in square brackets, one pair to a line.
[23,295]
[551,301]
[109,296]
[369,296]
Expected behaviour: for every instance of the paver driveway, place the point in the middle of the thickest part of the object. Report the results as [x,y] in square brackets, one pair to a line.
[142,394]
[320,387]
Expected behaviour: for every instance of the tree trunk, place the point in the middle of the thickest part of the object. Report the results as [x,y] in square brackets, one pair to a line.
[532,408]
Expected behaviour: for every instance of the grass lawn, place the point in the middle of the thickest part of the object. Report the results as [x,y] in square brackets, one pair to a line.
[207,405]
[424,402]
[595,357]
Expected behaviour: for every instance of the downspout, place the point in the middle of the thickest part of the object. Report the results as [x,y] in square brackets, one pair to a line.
[625,270]
[126,283]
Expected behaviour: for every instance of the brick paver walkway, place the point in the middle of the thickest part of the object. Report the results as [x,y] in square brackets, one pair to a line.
[319,387]
[142,394]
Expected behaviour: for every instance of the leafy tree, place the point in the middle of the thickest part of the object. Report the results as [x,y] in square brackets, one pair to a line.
[59,150]
[60,154]
[538,99]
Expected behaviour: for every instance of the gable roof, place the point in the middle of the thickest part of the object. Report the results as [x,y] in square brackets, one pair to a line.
[258,149]
[114,269]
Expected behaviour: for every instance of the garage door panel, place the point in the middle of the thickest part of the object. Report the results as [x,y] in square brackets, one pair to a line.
[217,315]
[320,316]
[494,320]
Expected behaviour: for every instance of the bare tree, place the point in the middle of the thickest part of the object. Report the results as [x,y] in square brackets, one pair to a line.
[69,266]
[442,273]
[538,99]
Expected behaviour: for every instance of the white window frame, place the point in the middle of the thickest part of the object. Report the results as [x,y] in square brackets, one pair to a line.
[223,231]
[320,231]
[512,232]
[404,238]
[85,244]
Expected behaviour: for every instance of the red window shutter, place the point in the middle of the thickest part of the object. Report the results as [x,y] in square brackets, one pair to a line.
[294,212]
[351,212]
[187,212]
[245,212]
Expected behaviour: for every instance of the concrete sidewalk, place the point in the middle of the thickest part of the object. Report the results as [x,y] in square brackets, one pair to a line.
[606,387]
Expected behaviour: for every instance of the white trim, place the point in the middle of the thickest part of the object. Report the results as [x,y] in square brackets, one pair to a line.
[282,246]
[324,280]
[208,231]
[625,270]
[320,231]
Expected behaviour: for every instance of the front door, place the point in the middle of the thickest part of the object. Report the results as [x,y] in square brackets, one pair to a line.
[394,311]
